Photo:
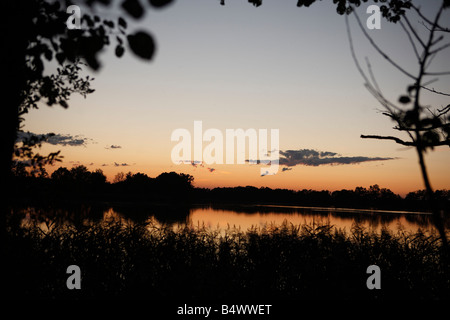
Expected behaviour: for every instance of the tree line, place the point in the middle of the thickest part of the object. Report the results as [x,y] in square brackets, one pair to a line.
[80,184]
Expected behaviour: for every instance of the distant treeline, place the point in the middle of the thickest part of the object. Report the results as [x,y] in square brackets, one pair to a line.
[78,183]
[373,197]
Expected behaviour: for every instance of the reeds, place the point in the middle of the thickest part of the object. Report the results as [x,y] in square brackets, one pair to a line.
[311,261]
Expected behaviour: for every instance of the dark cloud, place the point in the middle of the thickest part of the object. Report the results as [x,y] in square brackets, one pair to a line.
[56,139]
[113,146]
[121,164]
[197,164]
[265,173]
[310,157]
[67,140]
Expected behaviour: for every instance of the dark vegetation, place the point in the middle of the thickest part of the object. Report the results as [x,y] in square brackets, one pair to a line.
[142,261]
[79,184]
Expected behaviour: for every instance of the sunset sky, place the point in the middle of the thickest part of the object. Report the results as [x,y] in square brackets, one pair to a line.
[236,66]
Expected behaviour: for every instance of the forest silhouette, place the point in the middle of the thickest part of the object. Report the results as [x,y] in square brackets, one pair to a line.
[78,184]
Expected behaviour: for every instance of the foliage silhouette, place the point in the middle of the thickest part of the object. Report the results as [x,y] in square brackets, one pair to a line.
[425,126]
[78,184]
[280,262]
[37,34]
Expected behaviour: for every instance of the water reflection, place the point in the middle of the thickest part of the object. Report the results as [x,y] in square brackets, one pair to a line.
[222,217]
[260,217]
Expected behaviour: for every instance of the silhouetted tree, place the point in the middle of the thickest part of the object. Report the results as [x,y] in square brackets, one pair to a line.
[36,34]
[174,185]
[426,127]
[119,177]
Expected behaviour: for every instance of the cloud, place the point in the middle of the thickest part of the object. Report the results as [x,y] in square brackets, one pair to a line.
[55,139]
[113,146]
[67,140]
[197,164]
[285,169]
[310,157]
[121,164]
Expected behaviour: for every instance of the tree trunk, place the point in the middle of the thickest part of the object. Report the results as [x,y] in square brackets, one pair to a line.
[436,213]
[15,79]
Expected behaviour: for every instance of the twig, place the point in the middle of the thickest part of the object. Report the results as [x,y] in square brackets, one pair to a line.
[398,140]
[439,28]
[410,40]
[434,91]
[381,52]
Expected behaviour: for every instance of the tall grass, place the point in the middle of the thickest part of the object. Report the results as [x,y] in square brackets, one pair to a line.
[315,261]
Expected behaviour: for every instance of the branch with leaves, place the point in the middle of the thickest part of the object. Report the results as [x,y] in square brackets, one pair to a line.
[426,128]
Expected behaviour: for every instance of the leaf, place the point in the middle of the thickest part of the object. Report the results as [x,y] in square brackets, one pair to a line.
[48,55]
[142,44]
[431,138]
[108,23]
[63,104]
[255,3]
[404,99]
[134,8]
[119,51]
[159,3]
[122,22]
[426,122]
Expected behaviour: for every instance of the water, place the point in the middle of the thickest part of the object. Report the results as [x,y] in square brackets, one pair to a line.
[230,216]
[266,216]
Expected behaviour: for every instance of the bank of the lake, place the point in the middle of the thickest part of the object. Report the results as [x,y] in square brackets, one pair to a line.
[151,261]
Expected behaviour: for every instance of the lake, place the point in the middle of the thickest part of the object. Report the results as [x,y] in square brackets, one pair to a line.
[231,216]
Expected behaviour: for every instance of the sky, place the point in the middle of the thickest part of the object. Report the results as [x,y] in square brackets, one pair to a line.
[236,66]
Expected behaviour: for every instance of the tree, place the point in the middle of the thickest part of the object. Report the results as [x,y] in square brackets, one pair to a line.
[35,35]
[426,127]
[119,177]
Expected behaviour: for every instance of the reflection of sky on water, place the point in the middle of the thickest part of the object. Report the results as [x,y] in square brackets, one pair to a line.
[223,217]
[343,219]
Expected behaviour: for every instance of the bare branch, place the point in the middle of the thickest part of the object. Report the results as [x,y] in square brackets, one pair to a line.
[413,31]
[443,110]
[430,60]
[352,49]
[381,52]
[438,27]
[410,40]
[434,91]
[369,67]
[437,126]
[440,48]
[443,73]
[437,40]
[407,143]
[398,140]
